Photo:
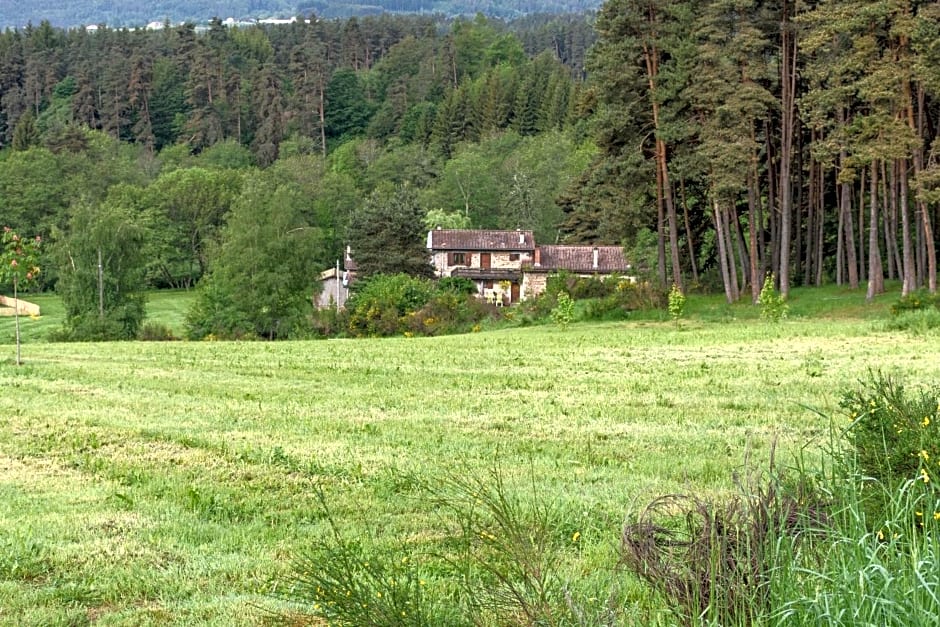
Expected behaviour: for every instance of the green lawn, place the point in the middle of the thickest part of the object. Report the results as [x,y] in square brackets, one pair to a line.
[164,306]
[172,483]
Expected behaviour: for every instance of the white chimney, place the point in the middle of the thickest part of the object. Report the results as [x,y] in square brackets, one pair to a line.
[596,254]
[521,237]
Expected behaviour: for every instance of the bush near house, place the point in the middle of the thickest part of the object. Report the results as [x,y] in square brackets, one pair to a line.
[397,304]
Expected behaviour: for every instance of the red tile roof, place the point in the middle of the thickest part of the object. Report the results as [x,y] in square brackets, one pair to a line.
[459,239]
[610,259]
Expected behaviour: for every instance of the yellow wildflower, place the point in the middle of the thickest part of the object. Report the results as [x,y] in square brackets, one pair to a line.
[576,536]
[925,422]
[924,475]
[924,455]
[936,515]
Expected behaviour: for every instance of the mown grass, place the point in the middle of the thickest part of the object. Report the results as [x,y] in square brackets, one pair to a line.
[155,483]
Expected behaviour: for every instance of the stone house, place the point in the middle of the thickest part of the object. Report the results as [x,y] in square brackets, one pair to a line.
[508,266]
[584,261]
[492,259]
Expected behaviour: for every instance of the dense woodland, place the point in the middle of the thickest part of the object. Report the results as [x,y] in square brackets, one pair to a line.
[717,141]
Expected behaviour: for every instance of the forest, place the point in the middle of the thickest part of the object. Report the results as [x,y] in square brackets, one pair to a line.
[717,141]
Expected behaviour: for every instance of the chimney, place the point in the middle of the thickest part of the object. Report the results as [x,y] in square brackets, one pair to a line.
[538,257]
[521,236]
[596,254]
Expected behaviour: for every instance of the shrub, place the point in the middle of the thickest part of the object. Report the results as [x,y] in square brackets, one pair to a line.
[641,296]
[155,332]
[916,321]
[215,314]
[449,312]
[676,303]
[626,297]
[895,435]
[917,300]
[773,306]
[329,321]
[120,322]
[457,285]
[579,287]
[381,302]
[563,313]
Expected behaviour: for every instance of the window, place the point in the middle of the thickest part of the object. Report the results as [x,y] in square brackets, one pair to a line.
[457,259]
[513,256]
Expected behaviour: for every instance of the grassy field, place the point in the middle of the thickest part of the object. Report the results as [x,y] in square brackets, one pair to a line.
[173,483]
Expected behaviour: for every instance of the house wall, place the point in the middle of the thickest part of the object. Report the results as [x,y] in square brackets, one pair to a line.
[498,260]
[328,294]
[533,284]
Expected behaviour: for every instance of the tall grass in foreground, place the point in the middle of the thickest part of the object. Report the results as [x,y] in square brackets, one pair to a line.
[859,571]
[877,562]
[855,541]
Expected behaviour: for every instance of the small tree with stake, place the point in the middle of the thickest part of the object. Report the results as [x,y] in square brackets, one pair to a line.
[18,265]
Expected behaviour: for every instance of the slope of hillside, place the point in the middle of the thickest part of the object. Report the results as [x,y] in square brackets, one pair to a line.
[131,13]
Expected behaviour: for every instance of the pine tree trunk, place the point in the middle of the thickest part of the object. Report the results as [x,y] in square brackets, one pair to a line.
[847,219]
[788,123]
[752,203]
[771,259]
[651,57]
[889,186]
[811,211]
[722,252]
[820,227]
[875,271]
[840,243]
[931,252]
[660,228]
[906,244]
[738,232]
[862,265]
[688,231]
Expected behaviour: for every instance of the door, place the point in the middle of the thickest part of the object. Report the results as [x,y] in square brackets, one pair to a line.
[514,293]
[485,261]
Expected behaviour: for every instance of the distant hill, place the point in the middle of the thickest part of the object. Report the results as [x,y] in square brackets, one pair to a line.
[132,13]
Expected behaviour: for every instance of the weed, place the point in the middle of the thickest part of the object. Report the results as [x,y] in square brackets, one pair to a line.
[773,306]
[345,582]
[563,313]
[710,559]
[676,303]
